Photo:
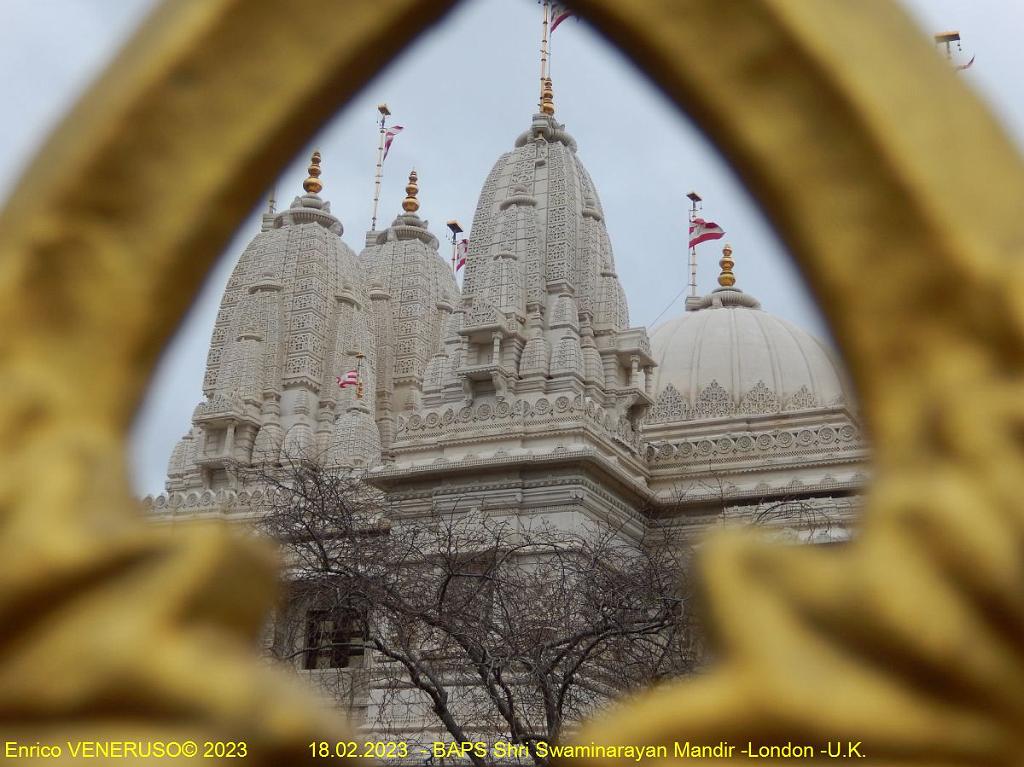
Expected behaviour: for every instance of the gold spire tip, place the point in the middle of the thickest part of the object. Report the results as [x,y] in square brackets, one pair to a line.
[547,97]
[312,185]
[727,279]
[410,204]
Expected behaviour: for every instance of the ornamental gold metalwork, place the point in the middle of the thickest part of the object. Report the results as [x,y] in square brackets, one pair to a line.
[853,136]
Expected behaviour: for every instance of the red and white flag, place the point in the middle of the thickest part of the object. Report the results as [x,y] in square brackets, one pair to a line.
[559,13]
[702,231]
[351,378]
[389,136]
[461,251]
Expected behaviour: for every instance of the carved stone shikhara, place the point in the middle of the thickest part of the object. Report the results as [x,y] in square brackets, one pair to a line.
[532,357]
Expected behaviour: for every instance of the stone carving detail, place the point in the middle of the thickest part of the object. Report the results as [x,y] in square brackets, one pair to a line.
[759,401]
[593,368]
[484,223]
[565,312]
[433,379]
[179,462]
[483,314]
[298,442]
[536,357]
[713,402]
[822,439]
[540,269]
[561,219]
[506,413]
[413,293]
[356,440]
[670,406]
[568,356]
[293,316]
[268,442]
[219,406]
[802,399]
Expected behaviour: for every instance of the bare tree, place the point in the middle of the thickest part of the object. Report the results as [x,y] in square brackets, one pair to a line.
[502,627]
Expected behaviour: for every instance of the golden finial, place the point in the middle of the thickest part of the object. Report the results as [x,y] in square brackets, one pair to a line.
[410,204]
[312,184]
[547,98]
[727,279]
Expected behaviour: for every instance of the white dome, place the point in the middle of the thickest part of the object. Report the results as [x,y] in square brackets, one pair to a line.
[730,357]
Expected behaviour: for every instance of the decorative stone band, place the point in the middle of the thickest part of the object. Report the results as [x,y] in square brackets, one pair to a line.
[219,407]
[846,505]
[486,317]
[227,501]
[826,440]
[713,401]
[772,511]
[452,421]
[794,490]
[197,502]
[244,503]
[402,473]
[822,519]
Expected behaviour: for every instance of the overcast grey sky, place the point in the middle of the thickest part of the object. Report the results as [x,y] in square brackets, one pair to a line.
[463,93]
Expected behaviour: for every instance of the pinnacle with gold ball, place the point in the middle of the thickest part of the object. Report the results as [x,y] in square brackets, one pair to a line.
[410,204]
[727,279]
[547,97]
[312,185]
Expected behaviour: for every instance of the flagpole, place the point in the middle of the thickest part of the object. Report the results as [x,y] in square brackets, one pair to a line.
[947,39]
[695,201]
[384,114]
[359,375]
[543,54]
[456,229]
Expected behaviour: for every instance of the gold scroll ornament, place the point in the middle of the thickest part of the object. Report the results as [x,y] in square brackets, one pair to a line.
[896,191]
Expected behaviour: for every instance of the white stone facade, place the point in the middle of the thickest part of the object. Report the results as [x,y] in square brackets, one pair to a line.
[525,394]
[530,372]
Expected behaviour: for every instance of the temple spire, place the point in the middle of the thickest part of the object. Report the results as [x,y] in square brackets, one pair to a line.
[312,184]
[410,204]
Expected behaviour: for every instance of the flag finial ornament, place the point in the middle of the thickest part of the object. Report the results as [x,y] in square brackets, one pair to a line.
[410,204]
[700,231]
[312,184]
[547,98]
[727,279]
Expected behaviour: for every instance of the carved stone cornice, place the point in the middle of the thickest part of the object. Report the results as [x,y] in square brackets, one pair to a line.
[822,442]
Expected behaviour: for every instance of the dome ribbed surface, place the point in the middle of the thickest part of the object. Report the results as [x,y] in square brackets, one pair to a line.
[741,350]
